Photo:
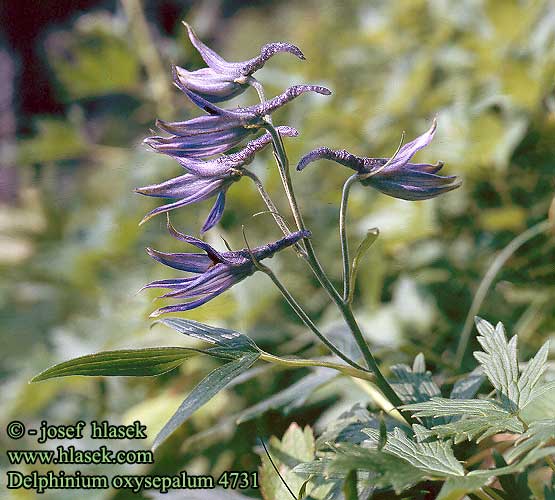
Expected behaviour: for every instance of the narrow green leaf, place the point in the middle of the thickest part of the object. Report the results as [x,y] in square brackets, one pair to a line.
[365,244]
[213,383]
[292,396]
[230,341]
[350,486]
[126,363]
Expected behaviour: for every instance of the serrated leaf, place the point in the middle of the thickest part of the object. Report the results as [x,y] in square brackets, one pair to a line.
[480,418]
[122,363]
[349,425]
[456,487]
[531,458]
[213,383]
[415,384]
[388,471]
[296,446]
[540,405]
[230,341]
[531,375]
[435,458]
[499,361]
[538,434]
[468,386]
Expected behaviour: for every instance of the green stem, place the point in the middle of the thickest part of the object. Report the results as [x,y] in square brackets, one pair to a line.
[280,221]
[343,236]
[306,319]
[345,308]
[306,363]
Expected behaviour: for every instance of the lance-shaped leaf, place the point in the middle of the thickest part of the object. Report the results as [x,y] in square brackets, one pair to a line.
[365,244]
[233,343]
[213,383]
[123,363]
[290,397]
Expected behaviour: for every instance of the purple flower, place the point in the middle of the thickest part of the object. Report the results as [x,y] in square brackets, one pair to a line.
[221,129]
[394,176]
[216,271]
[207,178]
[223,80]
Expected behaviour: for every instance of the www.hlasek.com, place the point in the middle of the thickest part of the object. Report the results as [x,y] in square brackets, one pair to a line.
[41,482]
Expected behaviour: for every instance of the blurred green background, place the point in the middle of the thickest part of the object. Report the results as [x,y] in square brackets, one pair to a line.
[72,256]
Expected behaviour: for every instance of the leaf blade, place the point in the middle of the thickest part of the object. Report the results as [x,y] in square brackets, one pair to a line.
[213,383]
[125,362]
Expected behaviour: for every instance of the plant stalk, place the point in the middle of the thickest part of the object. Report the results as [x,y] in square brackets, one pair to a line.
[345,308]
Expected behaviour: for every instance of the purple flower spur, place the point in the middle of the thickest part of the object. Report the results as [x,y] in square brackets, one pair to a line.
[223,80]
[221,129]
[207,178]
[217,271]
[394,176]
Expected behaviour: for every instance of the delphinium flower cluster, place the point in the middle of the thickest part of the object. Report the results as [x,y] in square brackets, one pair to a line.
[202,147]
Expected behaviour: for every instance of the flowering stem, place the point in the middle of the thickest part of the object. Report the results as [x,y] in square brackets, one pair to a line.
[343,236]
[306,319]
[344,307]
[301,363]
[268,202]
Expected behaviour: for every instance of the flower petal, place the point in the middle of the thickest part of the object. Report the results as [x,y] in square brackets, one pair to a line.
[215,214]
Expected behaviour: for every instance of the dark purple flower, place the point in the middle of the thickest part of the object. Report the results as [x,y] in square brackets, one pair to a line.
[217,271]
[207,178]
[223,80]
[221,129]
[394,176]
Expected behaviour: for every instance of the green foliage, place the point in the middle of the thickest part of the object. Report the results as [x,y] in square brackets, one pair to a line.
[214,382]
[404,459]
[128,363]
[94,60]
